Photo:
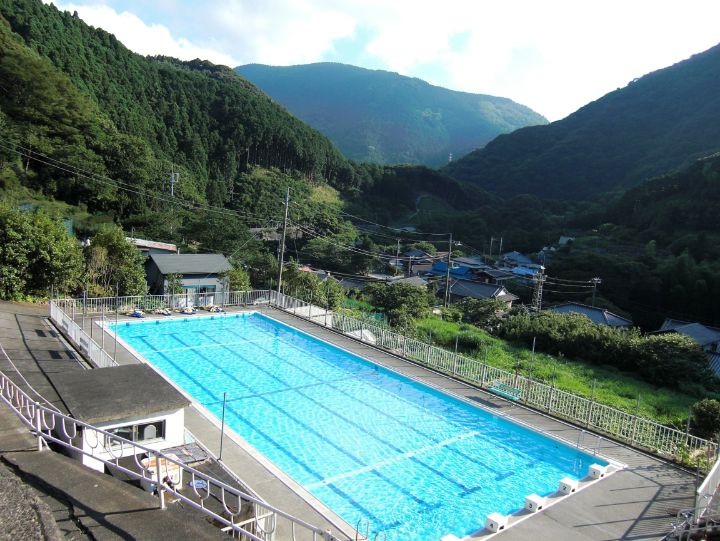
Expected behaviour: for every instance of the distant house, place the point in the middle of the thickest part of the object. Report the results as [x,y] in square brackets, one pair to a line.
[516,259]
[358,284]
[469,262]
[201,273]
[565,240]
[418,255]
[461,289]
[148,247]
[707,337]
[412,280]
[494,276]
[456,271]
[595,314]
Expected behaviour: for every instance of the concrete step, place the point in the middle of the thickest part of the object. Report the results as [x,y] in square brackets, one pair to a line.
[107,508]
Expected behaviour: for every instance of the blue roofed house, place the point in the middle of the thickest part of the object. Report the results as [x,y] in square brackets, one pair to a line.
[707,337]
[595,314]
[200,273]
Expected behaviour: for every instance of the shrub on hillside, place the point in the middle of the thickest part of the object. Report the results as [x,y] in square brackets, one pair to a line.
[667,359]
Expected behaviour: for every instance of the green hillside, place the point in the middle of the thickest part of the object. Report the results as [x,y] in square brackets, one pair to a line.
[77,95]
[657,123]
[383,117]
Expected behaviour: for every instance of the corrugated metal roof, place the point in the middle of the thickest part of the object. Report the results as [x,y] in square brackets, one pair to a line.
[144,243]
[480,290]
[596,315]
[700,333]
[714,359]
[191,263]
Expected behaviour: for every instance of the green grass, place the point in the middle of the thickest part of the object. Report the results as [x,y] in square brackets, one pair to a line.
[612,387]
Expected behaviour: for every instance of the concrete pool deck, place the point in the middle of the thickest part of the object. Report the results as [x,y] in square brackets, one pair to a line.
[635,503]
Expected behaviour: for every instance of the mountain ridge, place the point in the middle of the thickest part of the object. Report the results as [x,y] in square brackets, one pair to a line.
[658,123]
[385,117]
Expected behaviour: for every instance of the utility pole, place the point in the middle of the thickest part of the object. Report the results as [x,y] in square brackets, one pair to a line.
[174,177]
[492,239]
[500,250]
[282,242]
[447,273]
[595,282]
[397,257]
[539,279]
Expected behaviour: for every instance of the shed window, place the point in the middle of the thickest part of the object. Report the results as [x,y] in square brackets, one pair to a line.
[140,433]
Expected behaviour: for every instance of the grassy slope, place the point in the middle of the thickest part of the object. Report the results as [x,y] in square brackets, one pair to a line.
[613,388]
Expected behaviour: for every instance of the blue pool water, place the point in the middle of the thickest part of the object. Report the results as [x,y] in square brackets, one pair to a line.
[418,464]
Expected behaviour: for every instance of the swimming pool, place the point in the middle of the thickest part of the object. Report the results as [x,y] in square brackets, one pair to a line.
[367,442]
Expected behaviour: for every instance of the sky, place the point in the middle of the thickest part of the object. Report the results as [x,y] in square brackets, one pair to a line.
[552,55]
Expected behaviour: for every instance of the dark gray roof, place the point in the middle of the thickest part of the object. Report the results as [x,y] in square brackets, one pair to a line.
[472,262]
[700,333]
[596,315]
[412,280]
[480,290]
[415,253]
[103,395]
[498,274]
[190,263]
[714,360]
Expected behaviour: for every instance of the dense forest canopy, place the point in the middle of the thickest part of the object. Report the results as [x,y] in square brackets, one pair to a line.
[91,131]
[387,118]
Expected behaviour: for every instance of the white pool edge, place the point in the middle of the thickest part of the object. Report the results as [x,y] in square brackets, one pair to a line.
[314,502]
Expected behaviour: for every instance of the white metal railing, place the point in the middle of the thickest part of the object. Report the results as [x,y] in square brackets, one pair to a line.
[706,491]
[80,339]
[662,440]
[248,517]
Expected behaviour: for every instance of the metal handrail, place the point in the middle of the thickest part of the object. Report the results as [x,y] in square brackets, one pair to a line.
[51,426]
[659,439]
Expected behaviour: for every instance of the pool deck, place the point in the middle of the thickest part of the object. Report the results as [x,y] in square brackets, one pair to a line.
[636,503]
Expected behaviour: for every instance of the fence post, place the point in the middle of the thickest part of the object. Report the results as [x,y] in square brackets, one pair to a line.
[38,426]
[635,420]
[592,403]
[159,483]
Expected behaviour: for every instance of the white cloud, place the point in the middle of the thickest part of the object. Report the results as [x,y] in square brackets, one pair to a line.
[553,56]
[143,38]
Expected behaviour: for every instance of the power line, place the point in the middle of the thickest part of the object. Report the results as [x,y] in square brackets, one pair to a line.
[120,185]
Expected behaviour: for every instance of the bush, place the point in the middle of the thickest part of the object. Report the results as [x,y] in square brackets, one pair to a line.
[706,418]
[663,359]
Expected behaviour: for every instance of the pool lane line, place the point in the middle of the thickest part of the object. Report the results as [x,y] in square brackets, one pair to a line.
[274,443]
[312,430]
[389,461]
[512,450]
[352,423]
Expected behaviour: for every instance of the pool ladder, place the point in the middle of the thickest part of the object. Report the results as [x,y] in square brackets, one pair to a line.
[363,525]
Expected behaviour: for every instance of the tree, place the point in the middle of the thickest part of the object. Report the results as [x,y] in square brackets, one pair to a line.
[173,283]
[483,313]
[706,418]
[401,303]
[237,278]
[113,261]
[36,252]
[310,288]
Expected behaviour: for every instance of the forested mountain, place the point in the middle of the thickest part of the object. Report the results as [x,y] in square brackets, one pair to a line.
[657,123]
[75,94]
[383,117]
[677,211]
